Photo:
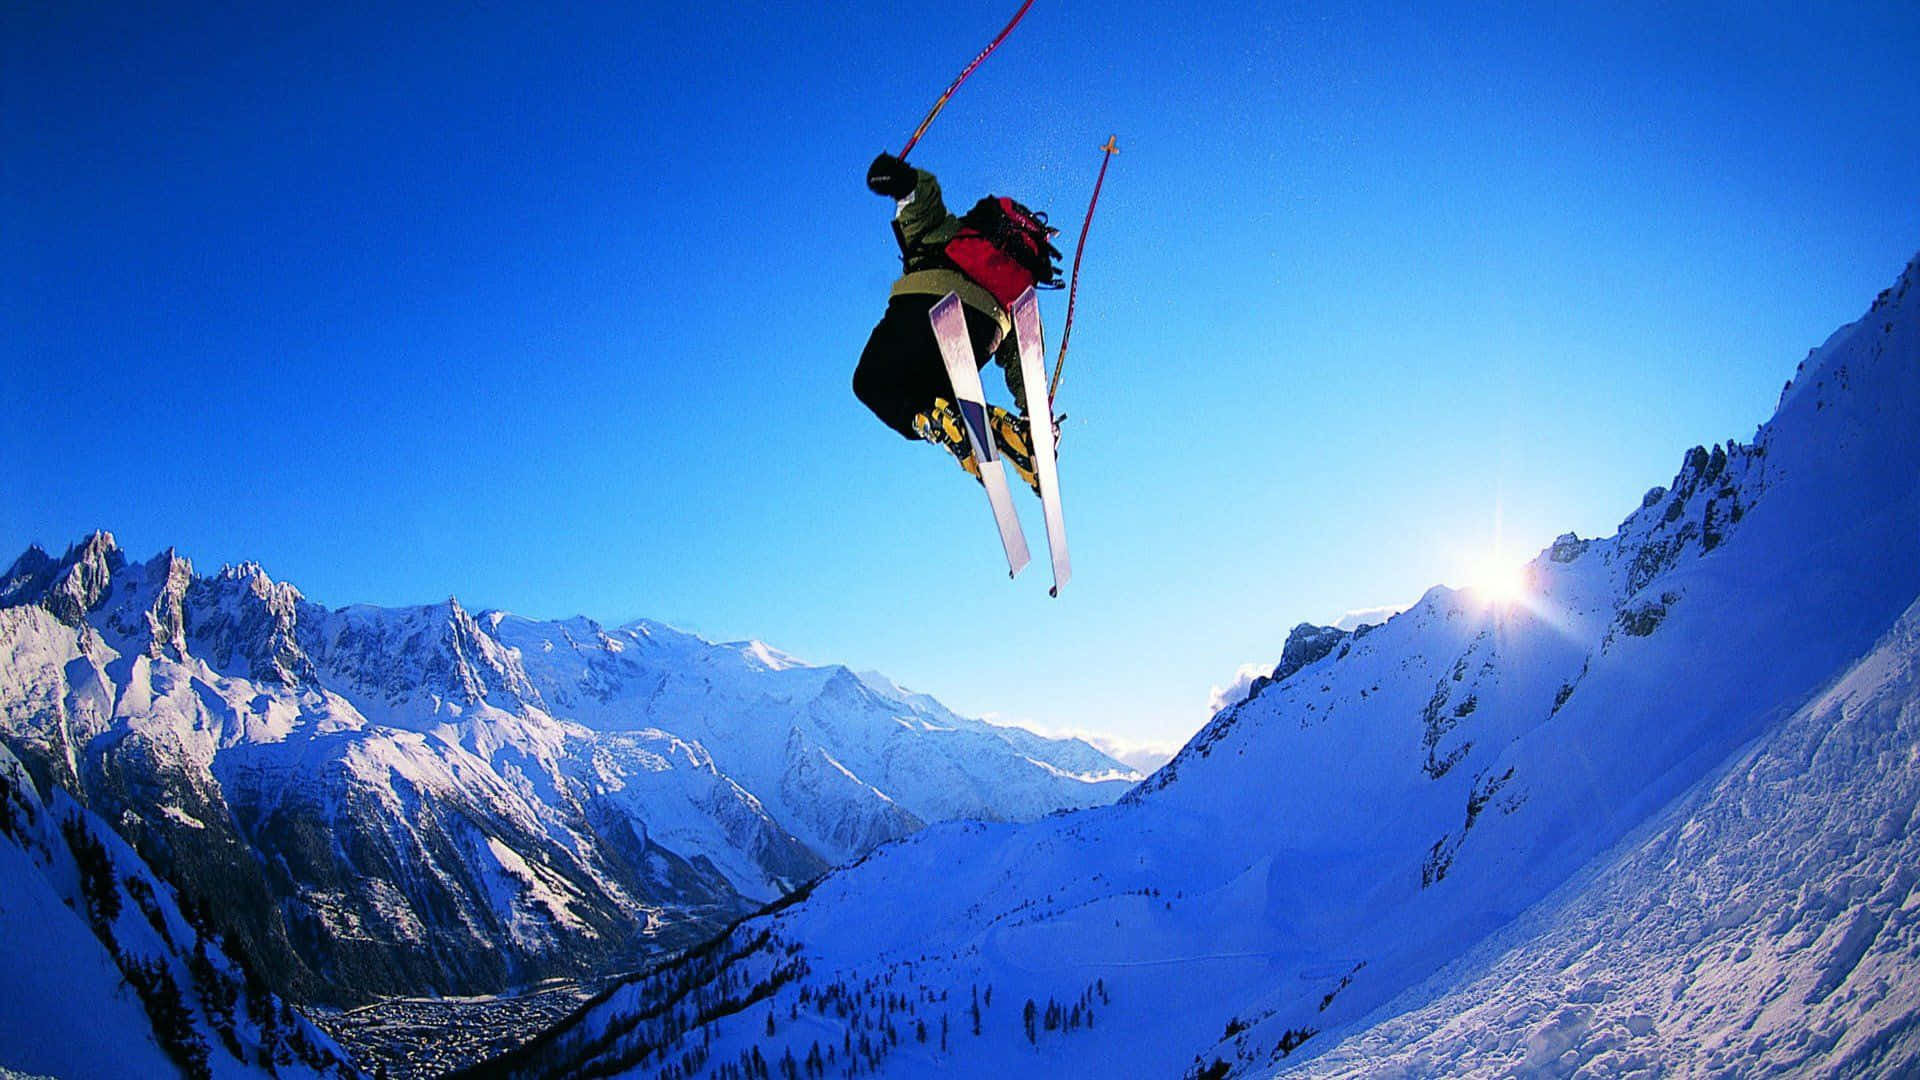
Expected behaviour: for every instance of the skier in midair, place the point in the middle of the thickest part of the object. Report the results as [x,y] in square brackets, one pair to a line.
[987,257]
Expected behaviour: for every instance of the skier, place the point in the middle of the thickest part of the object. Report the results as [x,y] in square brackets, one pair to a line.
[988,257]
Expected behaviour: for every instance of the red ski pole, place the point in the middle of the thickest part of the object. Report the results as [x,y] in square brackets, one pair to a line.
[1073,290]
[984,53]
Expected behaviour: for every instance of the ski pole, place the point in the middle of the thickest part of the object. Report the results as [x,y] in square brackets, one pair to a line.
[1073,289]
[942,103]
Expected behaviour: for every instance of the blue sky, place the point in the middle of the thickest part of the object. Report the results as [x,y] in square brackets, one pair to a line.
[556,310]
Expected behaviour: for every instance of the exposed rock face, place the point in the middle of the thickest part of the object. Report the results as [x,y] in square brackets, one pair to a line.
[72,587]
[1307,644]
[246,621]
[1567,547]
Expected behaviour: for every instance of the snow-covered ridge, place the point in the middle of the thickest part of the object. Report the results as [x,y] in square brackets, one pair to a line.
[430,800]
[1387,799]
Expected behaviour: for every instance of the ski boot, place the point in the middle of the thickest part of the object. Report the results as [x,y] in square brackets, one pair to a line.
[1011,435]
[941,426]
[1014,437]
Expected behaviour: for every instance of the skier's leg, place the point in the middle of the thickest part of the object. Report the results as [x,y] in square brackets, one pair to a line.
[900,372]
[877,384]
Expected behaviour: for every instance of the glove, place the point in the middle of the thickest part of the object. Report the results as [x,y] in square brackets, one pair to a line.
[890,176]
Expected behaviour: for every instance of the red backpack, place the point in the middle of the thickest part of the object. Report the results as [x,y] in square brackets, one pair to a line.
[1005,248]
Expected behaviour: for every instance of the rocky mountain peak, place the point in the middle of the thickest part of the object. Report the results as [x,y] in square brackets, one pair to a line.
[478,668]
[170,578]
[1567,547]
[27,576]
[242,614]
[1710,494]
[71,587]
[421,658]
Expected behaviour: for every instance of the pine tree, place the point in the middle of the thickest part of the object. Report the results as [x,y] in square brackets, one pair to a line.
[98,885]
[1026,1016]
[8,824]
[173,1025]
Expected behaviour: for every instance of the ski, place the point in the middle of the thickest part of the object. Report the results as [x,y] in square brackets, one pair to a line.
[1033,376]
[950,327]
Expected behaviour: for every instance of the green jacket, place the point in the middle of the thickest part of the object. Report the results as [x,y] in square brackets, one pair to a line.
[923,225]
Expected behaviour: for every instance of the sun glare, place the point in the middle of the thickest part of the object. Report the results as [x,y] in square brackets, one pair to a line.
[1500,580]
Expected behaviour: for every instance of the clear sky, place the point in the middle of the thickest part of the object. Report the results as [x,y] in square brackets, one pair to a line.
[555,307]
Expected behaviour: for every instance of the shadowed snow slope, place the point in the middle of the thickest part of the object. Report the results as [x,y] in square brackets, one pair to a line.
[1392,796]
[415,801]
[107,977]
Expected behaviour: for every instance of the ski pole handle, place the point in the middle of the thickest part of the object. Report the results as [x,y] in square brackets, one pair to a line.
[968,70]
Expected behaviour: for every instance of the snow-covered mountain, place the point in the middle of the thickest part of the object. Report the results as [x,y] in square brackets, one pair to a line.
[427,800]
[1655,817]
[108,976]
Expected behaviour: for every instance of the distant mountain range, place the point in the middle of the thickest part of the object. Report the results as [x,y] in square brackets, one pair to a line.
[415,801]
[1656,820]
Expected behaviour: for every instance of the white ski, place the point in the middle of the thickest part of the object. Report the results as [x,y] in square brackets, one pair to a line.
[950,327]
[1033,375]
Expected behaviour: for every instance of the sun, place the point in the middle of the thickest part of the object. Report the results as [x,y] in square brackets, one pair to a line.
[1500,580]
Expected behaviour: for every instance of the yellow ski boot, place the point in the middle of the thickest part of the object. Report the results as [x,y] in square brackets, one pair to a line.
[941,426]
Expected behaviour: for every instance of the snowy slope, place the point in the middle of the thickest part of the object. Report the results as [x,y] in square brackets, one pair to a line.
[426,800]
[106,977]
[1765,924]
[1379,805]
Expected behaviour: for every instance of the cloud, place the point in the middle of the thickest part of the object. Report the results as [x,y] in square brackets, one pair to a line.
[1141,755]
[1373,616]
[1236,691]
[1138,754]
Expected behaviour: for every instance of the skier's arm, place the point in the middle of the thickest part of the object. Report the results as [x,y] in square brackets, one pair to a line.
[922,211]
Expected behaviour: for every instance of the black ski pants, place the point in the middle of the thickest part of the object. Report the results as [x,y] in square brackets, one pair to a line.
[901,371]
